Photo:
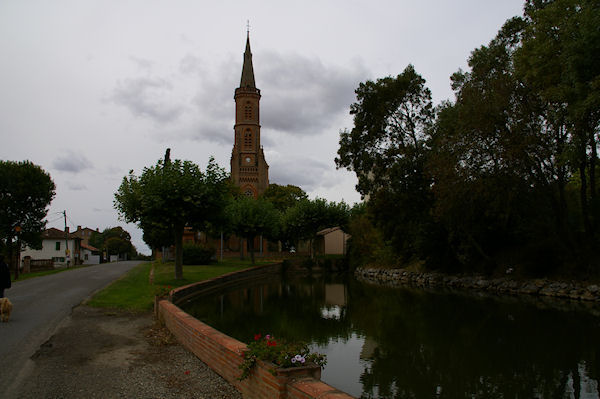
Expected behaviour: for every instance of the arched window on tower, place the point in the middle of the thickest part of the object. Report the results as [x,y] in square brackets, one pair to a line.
[248,139]
[248,110]
[249,193]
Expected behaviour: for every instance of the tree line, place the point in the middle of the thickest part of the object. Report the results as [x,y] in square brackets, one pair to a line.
[505,174]
[174,194]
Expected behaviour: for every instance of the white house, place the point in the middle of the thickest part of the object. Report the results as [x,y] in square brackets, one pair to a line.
[62,247]
[89,255]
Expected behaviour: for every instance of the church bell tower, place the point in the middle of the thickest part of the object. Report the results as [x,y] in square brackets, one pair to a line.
[249,170]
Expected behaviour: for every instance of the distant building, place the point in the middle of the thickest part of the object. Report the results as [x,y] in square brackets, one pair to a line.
[332,241]
[84,234]
[63,248]
[90,255]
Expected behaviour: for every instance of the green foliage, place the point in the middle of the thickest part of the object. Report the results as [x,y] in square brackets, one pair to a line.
[113,240]
[305,219]
[170,196]
[283,197]
[505,174]
[367,245]
[197,254]
[249,218]
[278,352]
[389,139]
[26,191]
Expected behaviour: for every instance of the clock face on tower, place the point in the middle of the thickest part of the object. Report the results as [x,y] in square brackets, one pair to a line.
[248,159]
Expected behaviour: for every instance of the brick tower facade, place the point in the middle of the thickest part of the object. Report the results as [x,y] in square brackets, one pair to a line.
[249,170]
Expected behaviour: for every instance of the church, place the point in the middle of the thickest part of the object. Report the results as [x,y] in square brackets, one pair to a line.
[249,169]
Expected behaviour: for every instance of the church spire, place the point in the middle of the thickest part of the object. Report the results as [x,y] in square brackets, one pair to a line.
[247,80]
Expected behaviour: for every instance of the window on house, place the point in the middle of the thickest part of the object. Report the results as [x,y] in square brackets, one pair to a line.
[57,246]
[85,256]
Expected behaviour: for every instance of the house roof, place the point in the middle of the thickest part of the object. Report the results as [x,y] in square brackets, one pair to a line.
[324,232]
[54,233]
[87,246]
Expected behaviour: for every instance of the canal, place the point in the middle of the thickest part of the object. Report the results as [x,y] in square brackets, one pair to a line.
[386,342]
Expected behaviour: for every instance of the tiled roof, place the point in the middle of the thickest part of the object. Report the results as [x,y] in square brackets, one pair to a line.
[87,246]
[54,233]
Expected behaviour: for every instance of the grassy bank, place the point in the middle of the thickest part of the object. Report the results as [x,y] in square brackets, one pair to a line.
[135,291]
[27,276]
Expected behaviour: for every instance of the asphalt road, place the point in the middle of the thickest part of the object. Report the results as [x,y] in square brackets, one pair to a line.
[40,305]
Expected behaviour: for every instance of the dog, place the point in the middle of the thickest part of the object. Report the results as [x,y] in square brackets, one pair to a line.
[5,309]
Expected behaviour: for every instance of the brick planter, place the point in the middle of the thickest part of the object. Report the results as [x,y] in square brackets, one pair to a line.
[224,354]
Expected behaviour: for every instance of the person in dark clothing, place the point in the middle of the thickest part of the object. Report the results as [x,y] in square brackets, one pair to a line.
[4,276]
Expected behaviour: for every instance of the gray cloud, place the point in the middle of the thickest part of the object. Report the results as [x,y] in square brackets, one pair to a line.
[71,162]
[302,95]
[145,97]
[191,65]
[301,171]
[76,186]
[142,63]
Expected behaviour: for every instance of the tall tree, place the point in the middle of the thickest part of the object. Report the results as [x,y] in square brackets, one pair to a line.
[26,191]
[387,148]
[560,60]
[173,194]
[250,218]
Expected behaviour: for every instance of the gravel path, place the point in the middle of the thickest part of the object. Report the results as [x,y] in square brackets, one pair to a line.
[114,354]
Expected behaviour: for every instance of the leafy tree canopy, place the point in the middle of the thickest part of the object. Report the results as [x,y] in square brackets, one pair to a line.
[173,195]
[249,218]
[115,240]
[283,197]
[26,191]
[390,134]
[305,219]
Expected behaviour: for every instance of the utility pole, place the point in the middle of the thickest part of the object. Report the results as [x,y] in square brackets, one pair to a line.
[66,238]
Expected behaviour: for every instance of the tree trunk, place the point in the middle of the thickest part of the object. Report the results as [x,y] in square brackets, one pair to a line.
[251,245]
[11,260]
[178,253]
[584,200]
[241,249]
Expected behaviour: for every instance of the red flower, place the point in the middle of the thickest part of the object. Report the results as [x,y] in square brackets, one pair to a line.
[257,337]
[187,372]
[271,343]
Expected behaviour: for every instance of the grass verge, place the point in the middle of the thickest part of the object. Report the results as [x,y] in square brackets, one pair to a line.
[27,276]
[135,292]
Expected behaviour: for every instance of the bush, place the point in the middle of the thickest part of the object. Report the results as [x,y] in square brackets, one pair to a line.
[197,254]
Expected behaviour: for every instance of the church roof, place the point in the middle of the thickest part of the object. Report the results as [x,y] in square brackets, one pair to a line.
[247,80]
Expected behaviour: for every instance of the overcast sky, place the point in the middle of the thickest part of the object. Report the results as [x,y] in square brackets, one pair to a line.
[92,89]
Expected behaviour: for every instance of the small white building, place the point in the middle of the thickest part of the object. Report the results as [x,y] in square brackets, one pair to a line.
[89,255]
[62,247]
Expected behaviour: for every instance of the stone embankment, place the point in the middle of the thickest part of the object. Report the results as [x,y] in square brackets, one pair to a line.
[505,285]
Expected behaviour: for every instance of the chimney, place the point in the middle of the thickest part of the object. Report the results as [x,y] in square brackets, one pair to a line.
[67,229]
[78,228]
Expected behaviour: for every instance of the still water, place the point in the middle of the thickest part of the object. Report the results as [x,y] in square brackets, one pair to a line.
[404,343]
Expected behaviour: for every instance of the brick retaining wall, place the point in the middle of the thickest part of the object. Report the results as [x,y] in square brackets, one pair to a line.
[223,354]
